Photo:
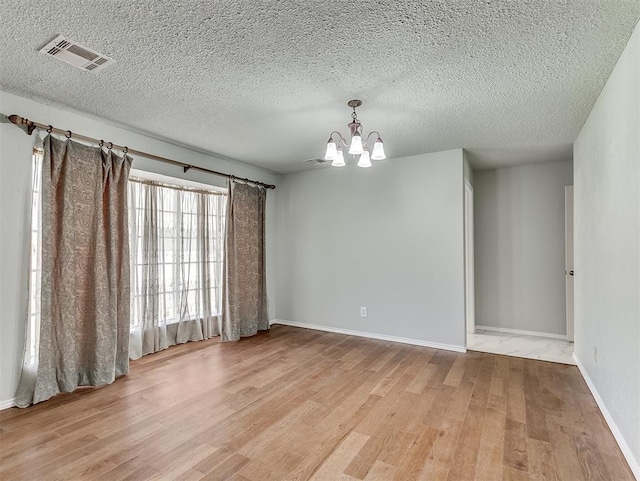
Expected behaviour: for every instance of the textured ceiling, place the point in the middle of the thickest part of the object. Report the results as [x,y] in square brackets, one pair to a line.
[265,82]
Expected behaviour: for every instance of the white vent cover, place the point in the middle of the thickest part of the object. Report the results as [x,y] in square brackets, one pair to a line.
[75,54]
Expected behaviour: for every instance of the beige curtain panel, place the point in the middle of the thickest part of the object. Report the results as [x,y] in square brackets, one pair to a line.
[83,334]
[244,299]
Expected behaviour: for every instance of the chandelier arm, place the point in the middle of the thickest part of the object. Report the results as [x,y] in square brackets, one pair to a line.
[343,142]
[366,141]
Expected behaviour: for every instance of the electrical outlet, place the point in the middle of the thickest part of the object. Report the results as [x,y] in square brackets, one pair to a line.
[595,353]
[363,312]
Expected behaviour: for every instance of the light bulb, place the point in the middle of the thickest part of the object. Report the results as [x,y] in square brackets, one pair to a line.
[338,160]
[378,150]
[332,151]
[364,161]
[356,144]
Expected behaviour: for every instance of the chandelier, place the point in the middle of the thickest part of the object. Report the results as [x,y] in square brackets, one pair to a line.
[356,146]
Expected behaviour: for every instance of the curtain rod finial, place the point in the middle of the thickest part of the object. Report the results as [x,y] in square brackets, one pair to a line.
[17,120]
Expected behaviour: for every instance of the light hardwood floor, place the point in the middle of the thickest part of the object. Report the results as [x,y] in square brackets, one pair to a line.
[296,404]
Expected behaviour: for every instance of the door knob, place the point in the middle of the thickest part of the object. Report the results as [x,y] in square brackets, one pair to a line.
[570,273]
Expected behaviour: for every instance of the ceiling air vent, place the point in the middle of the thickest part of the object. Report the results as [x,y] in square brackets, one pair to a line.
[75,54]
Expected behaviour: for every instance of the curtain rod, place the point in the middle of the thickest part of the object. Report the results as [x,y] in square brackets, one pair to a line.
[31,126]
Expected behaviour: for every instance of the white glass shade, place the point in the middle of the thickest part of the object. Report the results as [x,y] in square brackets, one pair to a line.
[332,151]
[356,145]
[338,161]
[378,151]
[364,161]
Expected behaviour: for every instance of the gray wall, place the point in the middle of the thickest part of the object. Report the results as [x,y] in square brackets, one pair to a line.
[607,249]
[389,238]
[15,188]
[519,246]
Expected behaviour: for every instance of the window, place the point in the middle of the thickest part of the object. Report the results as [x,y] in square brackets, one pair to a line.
[35,260]
[176,241]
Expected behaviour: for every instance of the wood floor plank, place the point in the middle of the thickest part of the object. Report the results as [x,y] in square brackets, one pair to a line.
[226,469]
[535,413]
[455,373]
[415,455]
[335,464]
[171,466]
[261,442]
[460,404]
[326,444]
[381,472]
[272,465]
[400,428]
[421,380]
[540,457]
[296,404]
[564,452]
[515,446]
[366,458]
[513,474]
[437,415]
[591,462]
[439,461]
[491,449]
[516,405]
[466,455]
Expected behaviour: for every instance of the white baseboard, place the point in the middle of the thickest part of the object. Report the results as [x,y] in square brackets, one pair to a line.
[634,463]
[9,403]
[371,335]
[524,333]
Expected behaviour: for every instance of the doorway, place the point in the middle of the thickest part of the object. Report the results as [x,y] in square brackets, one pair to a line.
[485,336]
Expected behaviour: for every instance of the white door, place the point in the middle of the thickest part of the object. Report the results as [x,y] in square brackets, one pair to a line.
[568,251]
[468,259]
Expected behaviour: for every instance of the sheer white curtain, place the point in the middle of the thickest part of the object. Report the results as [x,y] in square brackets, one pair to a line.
[32,328]
[176,244]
